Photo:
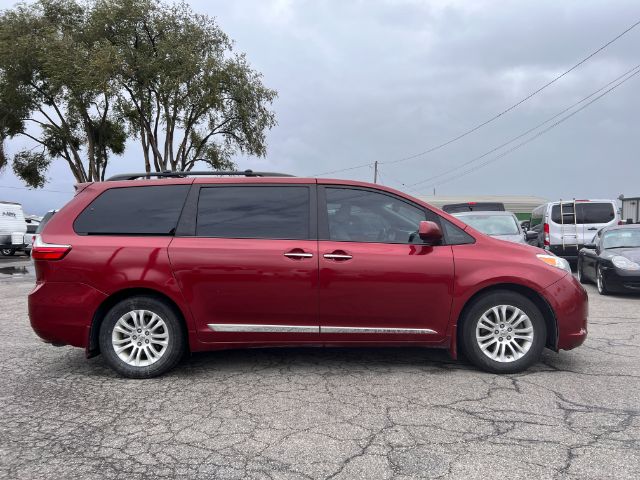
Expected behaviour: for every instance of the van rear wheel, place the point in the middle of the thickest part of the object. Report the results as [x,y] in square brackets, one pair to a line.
[142,337]
[503,332]
[7,252]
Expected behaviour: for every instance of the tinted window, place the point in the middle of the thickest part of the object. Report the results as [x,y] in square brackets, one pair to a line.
[152,210]
[585,213]
[254,212]
[365,216]
[31,228]
[536,217]
[596,212]
[45,220]
[455,235]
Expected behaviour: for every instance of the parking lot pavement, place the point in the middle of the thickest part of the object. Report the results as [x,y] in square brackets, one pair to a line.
[342,413]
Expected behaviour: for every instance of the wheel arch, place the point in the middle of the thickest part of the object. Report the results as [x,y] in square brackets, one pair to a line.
[93,345]
[547,312]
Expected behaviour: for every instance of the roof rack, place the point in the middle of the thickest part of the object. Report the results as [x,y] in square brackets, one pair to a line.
[170,174]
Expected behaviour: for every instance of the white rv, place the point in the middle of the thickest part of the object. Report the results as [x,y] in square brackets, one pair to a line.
[12,228]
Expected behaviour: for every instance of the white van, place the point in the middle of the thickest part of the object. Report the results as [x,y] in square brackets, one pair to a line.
[12,228]
[565,227]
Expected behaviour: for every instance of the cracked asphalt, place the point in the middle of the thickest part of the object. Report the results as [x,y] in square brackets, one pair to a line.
[326,414]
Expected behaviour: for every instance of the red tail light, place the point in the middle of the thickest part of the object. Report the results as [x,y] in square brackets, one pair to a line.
[546,234]
[48,251]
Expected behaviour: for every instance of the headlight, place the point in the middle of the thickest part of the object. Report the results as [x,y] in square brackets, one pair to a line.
[555,262]
[624,263]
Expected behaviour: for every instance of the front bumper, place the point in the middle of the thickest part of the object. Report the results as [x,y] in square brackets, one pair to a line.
[570,303]
[621,281]
[62,312]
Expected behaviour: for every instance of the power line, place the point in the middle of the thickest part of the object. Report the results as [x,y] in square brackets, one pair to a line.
[536,136]
[524,134]
[36,190]
[497,116]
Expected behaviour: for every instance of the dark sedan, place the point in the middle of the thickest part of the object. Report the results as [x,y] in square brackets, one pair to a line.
[613,261]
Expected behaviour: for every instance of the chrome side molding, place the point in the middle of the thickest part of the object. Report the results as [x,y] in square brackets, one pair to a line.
[257,328]
[401,331]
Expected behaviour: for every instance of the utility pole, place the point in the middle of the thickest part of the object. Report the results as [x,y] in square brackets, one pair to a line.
[375,172]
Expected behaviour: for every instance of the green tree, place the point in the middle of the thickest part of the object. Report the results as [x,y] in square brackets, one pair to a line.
[55,89]
[186,94]
[92,74]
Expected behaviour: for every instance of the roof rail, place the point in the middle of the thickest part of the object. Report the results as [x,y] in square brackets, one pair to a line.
[170,174]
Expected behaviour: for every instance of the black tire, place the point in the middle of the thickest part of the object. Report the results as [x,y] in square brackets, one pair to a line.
[176,341]
[581,277]
[7,252]
[473,316]
[601,282]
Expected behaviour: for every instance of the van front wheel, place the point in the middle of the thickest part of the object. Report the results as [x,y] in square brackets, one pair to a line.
[503,332]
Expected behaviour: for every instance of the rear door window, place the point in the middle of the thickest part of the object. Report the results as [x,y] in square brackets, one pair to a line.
[585,213]
[595,212]
[148,210]
[274,212]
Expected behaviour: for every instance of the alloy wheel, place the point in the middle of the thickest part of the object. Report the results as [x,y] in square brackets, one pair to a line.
[504,333]
[140,338]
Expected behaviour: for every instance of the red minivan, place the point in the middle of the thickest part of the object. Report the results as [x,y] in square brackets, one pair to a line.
[144,270]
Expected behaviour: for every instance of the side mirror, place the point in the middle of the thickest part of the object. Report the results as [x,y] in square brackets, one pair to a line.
[590,246]
[525,225]
[531,235]
[429,232]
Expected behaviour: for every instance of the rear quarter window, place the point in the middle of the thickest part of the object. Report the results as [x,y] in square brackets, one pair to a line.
[145,210]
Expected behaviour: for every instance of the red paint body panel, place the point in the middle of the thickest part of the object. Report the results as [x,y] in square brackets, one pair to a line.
[251,281]
[248,281]
[61,312]
[386,286]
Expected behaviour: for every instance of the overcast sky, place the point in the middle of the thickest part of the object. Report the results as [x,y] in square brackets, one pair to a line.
[361,81]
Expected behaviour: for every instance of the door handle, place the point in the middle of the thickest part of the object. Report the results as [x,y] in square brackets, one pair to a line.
[337,256]
[298,255]
[593,228]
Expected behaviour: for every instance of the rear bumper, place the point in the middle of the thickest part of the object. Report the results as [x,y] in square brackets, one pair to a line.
[61,313]
[569,253]
[570,304]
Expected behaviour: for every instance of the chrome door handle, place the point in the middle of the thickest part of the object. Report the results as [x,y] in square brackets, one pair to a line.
[298,255]
[337,256]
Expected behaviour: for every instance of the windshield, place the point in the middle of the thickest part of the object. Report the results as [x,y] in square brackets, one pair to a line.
[629,237]
[492,224]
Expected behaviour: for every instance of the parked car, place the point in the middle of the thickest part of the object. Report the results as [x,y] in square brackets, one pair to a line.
[612,261]
[564,228]
[143,271]
[474,207]
[12,228]
[29,237]
[501,225]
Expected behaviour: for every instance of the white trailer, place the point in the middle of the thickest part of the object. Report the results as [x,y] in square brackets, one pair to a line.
[12,228]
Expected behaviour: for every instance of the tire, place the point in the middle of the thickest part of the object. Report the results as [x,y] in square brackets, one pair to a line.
[601,283]
[7,252]
[581,278]
[502,353]
[160,347]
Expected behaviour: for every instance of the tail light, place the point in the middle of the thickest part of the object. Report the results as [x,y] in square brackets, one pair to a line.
[547,241]
[48,251]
